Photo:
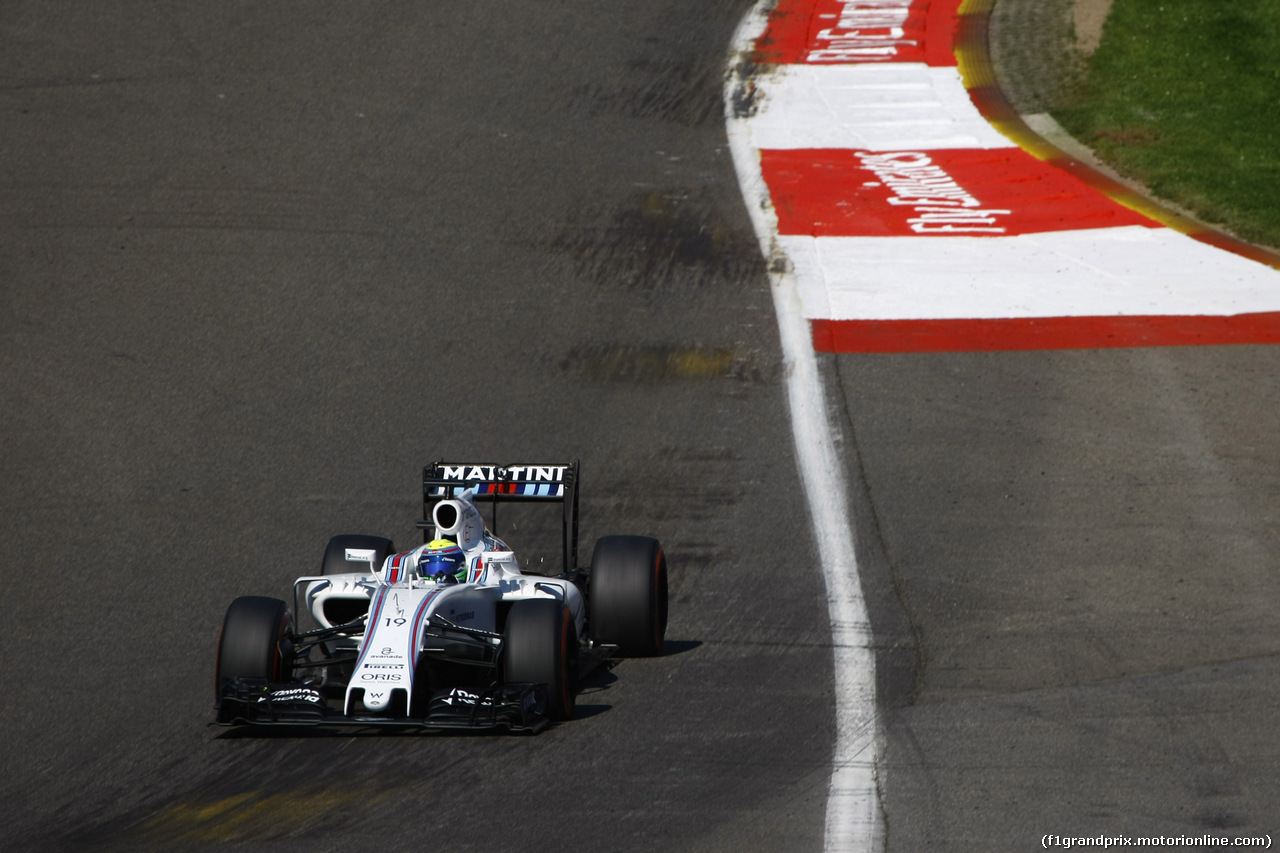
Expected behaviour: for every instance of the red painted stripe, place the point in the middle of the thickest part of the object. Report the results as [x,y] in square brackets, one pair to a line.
[843,32]
[943,21]
[1041,333]
[983,193]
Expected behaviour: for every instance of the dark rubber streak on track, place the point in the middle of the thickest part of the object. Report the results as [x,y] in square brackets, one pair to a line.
[260,262]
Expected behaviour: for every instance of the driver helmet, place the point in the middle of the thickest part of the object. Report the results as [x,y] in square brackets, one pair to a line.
[443,562]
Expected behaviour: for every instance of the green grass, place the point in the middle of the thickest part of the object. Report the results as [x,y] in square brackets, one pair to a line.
[1184,96]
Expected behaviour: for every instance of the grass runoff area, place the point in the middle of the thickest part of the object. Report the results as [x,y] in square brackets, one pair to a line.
[1184,96]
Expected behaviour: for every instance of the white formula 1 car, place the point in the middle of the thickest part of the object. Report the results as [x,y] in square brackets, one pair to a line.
[399,642]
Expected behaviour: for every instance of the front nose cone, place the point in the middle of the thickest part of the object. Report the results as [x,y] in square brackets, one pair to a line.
[377,700]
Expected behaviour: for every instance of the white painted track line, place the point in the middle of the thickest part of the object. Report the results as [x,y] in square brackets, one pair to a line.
[854,820]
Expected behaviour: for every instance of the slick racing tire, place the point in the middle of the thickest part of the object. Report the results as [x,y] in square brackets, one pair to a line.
[629,594]
[539,646]
[255,641]
[335,560]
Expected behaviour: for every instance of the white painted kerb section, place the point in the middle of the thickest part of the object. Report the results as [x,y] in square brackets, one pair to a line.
[854,817]
[900,106]
[1130,271]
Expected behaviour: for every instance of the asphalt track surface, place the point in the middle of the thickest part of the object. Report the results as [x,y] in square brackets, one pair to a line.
[260,263]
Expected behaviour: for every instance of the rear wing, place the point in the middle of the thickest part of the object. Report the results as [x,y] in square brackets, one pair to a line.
[503,484]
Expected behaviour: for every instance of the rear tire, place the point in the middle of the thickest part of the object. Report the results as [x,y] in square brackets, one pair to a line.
[629,594]
[335,560]
[255,641]
[539,645]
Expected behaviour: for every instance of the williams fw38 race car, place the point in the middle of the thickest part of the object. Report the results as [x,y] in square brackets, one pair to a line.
[451,634]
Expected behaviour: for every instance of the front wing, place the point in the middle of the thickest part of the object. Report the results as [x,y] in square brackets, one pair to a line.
[507,707]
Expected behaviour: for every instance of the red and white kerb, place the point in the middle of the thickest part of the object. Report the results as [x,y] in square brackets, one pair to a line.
[911,224]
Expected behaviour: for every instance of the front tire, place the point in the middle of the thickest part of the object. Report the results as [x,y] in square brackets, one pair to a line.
[255,641]
[629,594]
[539,645]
